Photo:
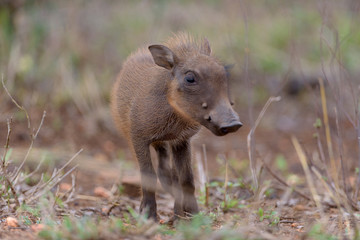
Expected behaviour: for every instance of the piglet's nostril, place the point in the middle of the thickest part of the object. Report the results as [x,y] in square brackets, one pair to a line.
[224,130]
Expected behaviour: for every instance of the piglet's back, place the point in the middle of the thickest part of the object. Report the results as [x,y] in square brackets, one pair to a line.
[131,84]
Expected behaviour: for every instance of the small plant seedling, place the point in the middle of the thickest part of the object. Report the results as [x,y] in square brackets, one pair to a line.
[68,224]
[83,228]
[200,225]
[281,163]
[33,211]
[26,220]
[230,203]
[8,155]
[167,230]
[120,188]
[268,193]
[317,232]
[261,214]
[317,123]
[272,216]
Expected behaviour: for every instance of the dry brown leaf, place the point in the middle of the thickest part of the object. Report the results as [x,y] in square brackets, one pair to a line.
[102,192]
[37,227]
[65,187]
[299,207]
[105,210]
[12,222]
[294,225]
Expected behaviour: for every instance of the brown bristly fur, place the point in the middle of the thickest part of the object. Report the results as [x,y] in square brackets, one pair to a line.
[161,98]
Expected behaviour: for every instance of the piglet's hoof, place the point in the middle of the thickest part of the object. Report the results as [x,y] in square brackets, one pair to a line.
[149,214]
[155,217]
[173,221]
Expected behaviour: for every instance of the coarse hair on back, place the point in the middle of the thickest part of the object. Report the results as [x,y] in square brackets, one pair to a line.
[183,44]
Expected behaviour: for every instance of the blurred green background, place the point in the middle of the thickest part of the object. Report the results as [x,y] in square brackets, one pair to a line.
[63,57]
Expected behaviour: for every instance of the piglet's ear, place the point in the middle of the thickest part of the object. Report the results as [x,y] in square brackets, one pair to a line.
[205,47]
[163,56]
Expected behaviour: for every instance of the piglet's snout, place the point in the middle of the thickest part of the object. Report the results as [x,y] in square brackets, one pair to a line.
[225,119]
[232,127]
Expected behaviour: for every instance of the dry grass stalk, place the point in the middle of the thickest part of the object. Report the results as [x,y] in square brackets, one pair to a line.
[42,187]
[202,178]
[226,181]
[309,179]
[340,146]
[341,200]
[4,172]
[332,196]
[71,192]
[250,138]
[320,146]
[3,160]
[32,135]
[36,169]
[16,179]
[338,91]
[33,138]
[206,176]
[333,170]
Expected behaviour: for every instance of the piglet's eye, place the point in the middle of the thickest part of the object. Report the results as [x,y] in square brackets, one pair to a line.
[189,78]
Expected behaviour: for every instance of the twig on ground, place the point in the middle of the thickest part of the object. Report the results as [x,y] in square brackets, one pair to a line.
[71,191]
[56,172]
[41,123]
[15,102]
[86,197]
[36,169]
[41,187]
[332,196]
[283,182]
[33,137]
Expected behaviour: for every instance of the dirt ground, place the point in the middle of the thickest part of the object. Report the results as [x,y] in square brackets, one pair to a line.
[100,172]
